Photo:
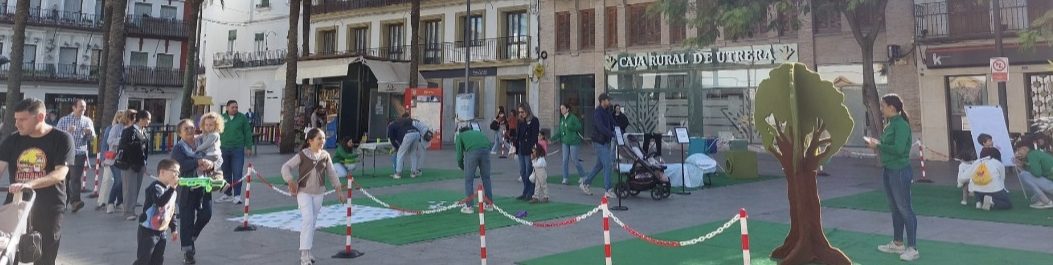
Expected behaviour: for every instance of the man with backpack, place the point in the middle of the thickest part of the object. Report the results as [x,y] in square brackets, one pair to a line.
[426,136]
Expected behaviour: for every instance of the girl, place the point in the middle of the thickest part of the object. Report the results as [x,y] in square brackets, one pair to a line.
[500,126]
[208,141]
[539,176]
[313,165]
[345,159]
[894,151]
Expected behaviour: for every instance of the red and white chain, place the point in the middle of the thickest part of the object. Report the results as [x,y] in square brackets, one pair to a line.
[560,223]
[669,243]
[456,205]
[276,189]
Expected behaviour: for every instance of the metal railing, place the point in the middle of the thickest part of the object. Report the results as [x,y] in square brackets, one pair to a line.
[971,19]
[138,75]
[249,59]
[482,50]
[156,27]
[328,6]
[53,17]
[53,72]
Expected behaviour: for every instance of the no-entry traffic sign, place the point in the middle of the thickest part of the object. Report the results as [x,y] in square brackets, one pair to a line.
[1000,69]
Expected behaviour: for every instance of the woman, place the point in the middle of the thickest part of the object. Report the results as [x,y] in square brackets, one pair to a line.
[894,151]
[134,147]
[620,119]
[525,140]
[107,174]
[500,127]
[195,205]
[312,165]
[569,135]
[114,141]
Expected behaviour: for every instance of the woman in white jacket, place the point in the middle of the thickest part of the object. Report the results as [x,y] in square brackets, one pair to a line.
[986,180]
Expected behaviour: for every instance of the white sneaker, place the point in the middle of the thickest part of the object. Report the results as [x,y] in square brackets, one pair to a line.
[988,202]
[489,207]
[395,176]
[609,194]
[585,188]
[493,153]
[223,198]
[910,254]
[109,208]
[892,248]
[467,210]
[1041,205]
[236,200]
[564,182]
[964,202]
[979,205]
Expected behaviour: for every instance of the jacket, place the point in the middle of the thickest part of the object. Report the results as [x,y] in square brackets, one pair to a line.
[895,143]
[237,132]
[134,148]
[526,136]
[468,141]
[569,130]
[602,126]
[621,121]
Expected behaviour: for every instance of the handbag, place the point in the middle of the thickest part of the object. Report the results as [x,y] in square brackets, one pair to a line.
[119,161]
[29,246]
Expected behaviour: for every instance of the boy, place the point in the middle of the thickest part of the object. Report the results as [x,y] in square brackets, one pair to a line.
[158,210]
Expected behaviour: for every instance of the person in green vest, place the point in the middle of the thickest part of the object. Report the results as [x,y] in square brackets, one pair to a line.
[235,143]
[472,148]
[568,134]
[345,158]
[894,150]
[1039,171]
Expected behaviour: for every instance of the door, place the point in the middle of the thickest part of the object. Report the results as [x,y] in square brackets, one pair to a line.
[67,65]
[962,91]
[259,99]
[579,92]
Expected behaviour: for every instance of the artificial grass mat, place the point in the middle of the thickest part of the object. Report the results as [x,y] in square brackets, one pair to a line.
[944,201]
[766,236]
[719,179]
[382,178]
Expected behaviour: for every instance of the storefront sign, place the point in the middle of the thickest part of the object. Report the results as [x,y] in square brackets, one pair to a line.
[980,56]
[455,73]
[758,54]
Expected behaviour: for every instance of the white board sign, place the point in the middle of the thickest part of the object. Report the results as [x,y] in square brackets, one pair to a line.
[989,120]
[465,107]
[681,135]
[618,135]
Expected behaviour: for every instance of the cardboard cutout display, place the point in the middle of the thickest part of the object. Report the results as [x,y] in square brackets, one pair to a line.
[802,120]
[989,120]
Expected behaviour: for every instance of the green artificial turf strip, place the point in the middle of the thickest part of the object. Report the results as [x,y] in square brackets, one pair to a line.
[944,201]
[765,237]
[718,180]
[383,178]
[411,229]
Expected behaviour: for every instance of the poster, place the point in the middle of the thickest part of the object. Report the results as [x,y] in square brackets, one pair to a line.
[465,107]
[989,120]
[425,105]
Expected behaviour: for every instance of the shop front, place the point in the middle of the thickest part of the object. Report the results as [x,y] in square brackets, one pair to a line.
[709,91]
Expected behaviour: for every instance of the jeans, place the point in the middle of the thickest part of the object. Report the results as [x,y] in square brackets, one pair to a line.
[408,149]
[310,205]
[195,210]
[603,162]
[1041,189]
[525,169]
[133,181]
[477,161]
[570,155]
[1000,199]
[342,170]
[897,190]
[73,179]
[116,195]
[422,146]
[233,168]
[151,247]
[499,141]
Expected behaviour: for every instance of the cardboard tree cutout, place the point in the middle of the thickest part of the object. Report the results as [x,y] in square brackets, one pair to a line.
[802,120]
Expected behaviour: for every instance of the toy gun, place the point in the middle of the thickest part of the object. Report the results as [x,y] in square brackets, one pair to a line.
[203,182]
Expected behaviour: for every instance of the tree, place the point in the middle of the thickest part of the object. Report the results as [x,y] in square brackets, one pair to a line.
[288,143]
[14,81]
[802,120]
[107,16]
[415,49]
[115,58]
[195,10]
[1040,30]
[734,20]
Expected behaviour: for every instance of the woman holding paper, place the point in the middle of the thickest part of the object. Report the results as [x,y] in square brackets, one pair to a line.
[894,151]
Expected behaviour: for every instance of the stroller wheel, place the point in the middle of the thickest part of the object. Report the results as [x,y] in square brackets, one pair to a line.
[622,190]
[634,192]
[660,191]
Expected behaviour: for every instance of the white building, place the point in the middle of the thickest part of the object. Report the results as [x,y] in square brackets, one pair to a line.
[64,45]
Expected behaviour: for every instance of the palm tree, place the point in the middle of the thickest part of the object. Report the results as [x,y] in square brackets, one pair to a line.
[114,59]
[14,81]
[415,42]
[195,10]
[288,141]
[107,16]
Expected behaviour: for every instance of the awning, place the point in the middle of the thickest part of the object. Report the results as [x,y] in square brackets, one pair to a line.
[392,77]
[318,68]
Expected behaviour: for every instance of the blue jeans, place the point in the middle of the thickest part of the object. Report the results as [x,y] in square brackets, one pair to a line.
[115,190]
[499,141]
[525,169]
[897,189]
[603,162]
[195,210]
[233,168]
[570,155]
[408,149]
[151,248]
[477,161]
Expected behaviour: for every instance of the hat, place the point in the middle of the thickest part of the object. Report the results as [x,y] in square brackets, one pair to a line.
[604,96]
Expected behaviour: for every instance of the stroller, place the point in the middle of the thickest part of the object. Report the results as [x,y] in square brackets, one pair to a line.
[645,173]
[14,219]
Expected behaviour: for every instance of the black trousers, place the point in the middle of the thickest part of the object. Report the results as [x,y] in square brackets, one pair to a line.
[655,138]
[151,249]
[195,210]
[73,184]
[47,220]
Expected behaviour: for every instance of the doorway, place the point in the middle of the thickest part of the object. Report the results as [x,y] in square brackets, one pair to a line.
[579,92]
[962,91]
[259,99]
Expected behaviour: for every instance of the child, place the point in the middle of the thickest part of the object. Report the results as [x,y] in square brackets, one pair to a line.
[542,139]
[314,168]
[986,180]
[539,176]
[345,158]
[158,209]
[208,141]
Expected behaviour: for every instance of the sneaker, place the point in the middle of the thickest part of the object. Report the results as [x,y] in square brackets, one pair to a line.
[1041,205]
[585,188]
[489,207]
[892,248]
[395,176]
[609,194]
[100,207]
[564,182]
[224,198]
[910,254]
[236,200]
[77,205]
[130,218]
[519,179]
[188,258]
[493,153]
[467,210]
[964,202]
[979,205]
[988,202]
[535,201]
[109,208]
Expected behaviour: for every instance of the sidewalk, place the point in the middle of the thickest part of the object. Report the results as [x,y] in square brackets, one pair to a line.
[766,200]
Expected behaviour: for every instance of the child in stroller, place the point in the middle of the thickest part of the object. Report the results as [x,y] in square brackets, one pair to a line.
[646,173]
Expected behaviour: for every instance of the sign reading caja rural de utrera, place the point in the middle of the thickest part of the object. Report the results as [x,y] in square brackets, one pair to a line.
[756,54]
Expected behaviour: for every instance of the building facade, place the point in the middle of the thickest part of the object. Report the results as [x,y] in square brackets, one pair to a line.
[63,53]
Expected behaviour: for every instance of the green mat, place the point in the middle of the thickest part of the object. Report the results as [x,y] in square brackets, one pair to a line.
[765,236]
[944,201]
[382,178]
[718,180]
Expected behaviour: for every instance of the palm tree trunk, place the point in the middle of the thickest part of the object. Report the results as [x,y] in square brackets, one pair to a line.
[107,15]
[287,142]
[414,43]
[190,70]
[14,81]
[115,58]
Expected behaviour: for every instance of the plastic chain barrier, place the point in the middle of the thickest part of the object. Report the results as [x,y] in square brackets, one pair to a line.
[550,224]
[668,243]
[276,189]
[456,205]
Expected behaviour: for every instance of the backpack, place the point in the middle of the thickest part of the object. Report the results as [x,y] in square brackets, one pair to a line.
[982,175]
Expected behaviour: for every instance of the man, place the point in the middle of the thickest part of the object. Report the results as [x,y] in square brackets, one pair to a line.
[602,133]
[235,143]
[422,147]
[38,157]
[472,157]
[82,130]
[405,138]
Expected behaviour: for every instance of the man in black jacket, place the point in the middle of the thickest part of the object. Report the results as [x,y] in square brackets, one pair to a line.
[602,134]
[134,149]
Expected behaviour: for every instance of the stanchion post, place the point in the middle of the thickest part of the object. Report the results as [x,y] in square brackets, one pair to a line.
[245,226]
[921,154]
[348,252]
[95,190]
[482,225]
[606,232]
[84,175]
[683,173]
[745,237]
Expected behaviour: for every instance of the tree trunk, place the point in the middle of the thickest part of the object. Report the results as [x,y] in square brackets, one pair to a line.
[107,16]
[306,27]
[190,70]
[415,48]
[14,81]
[287,143]
[115,58]
[870,94]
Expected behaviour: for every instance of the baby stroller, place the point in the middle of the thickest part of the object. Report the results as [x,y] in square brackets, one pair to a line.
[14,219]
[645,173]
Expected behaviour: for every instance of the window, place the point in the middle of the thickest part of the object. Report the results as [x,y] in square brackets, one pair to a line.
[264,3]
[232,35]
[826,19]
[472,30]
[261,42]
[29,54]
[143,9]
[1040,91]
[359,39]
[677,32]
[156,107]
[165,61]
[327,42]
[432,41]
[168,12]
[643,28]
[562,31]
[517,36]
[67,60]
[138,59]
[395,41]
[587,29]
[611,27]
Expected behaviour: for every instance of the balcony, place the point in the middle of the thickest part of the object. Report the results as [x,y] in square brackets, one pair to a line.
[139,75]
[503,49]
[157,28]
[967,20]
[53,18]
[248,59]
[330,6]
[67,73]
